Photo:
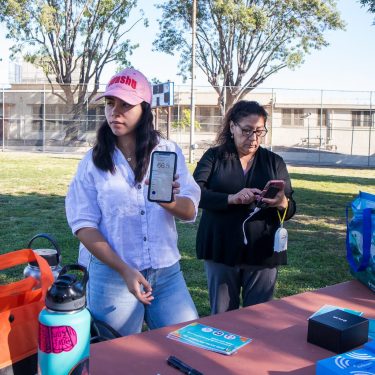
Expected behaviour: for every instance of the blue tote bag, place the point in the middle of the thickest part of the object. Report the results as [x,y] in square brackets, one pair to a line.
[360,239]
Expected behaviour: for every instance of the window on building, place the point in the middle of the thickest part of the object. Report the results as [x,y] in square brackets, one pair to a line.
[95,117]
[55,116]
[321,120]
[356,118]
[367,118]
[363,118]
[208,117]
[292,117]
[286,117]
[37,117]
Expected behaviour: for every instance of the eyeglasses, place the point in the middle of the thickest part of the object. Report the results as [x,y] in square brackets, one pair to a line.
[260,133]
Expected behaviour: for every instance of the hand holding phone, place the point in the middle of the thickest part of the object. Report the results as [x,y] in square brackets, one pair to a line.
[270,191]
[244,196]
[162,172]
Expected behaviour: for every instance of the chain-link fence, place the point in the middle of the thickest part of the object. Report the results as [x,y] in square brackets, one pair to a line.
[305,126]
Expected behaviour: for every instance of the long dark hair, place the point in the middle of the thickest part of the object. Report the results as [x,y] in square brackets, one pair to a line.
[238,111]
[146,138]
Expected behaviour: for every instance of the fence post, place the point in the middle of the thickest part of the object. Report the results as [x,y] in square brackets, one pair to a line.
[178,129]
[3,119]
[351,143]
[320,125]
[168,122]
[87,110]
[272,107]
[369,131]
[44,120]
[192,95]
[156,118]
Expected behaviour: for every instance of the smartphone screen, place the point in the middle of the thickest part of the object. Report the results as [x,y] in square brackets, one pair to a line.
[272,187]
[270,190]
[162,170]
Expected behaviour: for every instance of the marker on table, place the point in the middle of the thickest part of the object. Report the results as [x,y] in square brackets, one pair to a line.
[183,367]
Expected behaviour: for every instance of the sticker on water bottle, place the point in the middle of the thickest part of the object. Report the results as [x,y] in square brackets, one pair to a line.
[56,339]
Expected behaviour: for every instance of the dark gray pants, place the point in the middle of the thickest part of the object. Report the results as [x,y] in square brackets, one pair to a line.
[225,283]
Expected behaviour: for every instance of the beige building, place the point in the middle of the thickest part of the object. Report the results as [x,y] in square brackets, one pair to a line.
[24,72]
[314,125]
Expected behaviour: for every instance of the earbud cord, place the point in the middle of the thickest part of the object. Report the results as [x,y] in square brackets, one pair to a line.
[257,209]
[249,182]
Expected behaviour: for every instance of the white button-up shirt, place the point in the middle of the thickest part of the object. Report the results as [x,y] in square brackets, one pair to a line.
[142,233]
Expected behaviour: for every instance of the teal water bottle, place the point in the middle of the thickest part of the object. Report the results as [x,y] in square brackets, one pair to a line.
[64,326]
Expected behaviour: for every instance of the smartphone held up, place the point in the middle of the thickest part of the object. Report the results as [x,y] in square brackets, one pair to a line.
[162,171]
[270,191]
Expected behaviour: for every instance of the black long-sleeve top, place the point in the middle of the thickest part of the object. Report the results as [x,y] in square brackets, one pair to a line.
[220,238]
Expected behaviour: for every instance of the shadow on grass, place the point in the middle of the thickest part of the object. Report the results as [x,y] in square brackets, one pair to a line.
[361,181]
[23,216]
[322,203]
[316,249]
[316,252]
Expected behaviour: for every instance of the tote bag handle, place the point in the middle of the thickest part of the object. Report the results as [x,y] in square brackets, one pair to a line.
[18,257]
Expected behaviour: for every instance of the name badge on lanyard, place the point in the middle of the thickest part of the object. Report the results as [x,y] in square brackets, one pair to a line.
[281,236]
[281,240]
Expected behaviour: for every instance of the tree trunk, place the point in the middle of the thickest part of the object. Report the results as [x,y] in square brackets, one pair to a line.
[74,125]
[75,108]
[225,101]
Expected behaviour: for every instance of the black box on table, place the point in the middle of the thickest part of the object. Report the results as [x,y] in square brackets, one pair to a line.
[338,331]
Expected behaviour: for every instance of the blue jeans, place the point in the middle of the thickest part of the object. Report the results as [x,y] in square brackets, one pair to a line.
[109,299]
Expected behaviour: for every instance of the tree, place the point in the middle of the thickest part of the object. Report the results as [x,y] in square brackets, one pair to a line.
[241,43]
[184,121]
[370,4]
[67,38]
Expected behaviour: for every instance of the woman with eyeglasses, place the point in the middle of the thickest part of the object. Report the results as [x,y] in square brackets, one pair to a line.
[232,176]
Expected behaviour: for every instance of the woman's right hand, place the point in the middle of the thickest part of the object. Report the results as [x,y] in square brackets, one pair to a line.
[135,280]
[100,248]
[244,196]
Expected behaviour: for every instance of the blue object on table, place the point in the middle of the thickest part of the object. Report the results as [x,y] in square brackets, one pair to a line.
[361,361]
[371,329]
[360,239]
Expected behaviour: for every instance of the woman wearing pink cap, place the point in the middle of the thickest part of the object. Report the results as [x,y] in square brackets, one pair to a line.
[128,243]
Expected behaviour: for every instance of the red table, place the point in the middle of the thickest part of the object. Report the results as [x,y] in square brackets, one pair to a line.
[278,329]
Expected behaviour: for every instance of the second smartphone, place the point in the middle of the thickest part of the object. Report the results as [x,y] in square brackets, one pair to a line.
[270,190]
[162,170]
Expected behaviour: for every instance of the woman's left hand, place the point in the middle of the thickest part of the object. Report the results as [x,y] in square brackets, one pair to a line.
[280,201]
[180,207]
[175,191]
[175,188]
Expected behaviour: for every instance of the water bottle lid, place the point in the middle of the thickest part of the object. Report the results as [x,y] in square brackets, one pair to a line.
[50,255]
[67,293]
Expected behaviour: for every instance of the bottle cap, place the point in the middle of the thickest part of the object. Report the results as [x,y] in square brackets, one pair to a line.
[50,255]
[68,293]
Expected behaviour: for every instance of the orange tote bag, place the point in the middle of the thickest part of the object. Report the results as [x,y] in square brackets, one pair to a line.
[20,305]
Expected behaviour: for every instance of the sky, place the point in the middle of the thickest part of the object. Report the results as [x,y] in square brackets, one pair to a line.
[348,63]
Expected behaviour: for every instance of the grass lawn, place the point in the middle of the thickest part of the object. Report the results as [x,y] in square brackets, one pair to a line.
[33,186]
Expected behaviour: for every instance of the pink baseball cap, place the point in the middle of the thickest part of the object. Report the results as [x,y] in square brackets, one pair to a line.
[129,85]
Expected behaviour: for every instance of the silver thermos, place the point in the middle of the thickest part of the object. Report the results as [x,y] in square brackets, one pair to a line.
[52,256]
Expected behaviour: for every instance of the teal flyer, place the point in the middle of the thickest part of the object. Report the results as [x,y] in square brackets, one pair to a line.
[209,338]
